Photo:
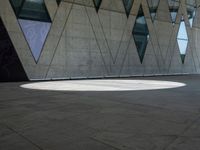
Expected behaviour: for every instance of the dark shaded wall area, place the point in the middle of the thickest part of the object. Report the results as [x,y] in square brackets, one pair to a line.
[11,68]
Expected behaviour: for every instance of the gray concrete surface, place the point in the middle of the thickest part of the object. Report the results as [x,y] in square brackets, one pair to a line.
[167,119]
[85,44]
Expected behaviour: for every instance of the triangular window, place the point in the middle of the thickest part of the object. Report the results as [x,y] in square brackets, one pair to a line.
[173,9]
[34,21]
[191,10]
[35,33]
[141,34]
[58,1]
[182,39]
[97,4]
[153,7]
[128,5]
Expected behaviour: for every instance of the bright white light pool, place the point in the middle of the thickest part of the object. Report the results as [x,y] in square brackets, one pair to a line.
[103,85]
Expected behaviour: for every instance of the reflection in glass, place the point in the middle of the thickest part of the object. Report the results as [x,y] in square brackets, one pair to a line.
[97,4]
[34,10]
[31,10]
[35,23]
[16,4]
[182,39]
[141,34]
[153,7]
[35,33]
[173,8]
[128,5]
[191,10]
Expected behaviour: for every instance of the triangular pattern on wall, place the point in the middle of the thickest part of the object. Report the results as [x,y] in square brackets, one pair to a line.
[182,39]
[97,4]
[141,33]
[11,68]
[153,7]
[35,23]
[173,9]
[128,5]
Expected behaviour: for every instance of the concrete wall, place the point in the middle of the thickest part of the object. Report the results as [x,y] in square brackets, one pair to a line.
[84,44]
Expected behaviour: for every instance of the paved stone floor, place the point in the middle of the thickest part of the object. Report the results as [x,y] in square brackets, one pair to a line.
[167,119]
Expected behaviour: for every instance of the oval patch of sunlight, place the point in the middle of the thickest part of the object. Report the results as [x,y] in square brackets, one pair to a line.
[103,85]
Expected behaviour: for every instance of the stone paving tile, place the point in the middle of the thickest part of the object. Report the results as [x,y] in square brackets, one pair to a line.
[129,120]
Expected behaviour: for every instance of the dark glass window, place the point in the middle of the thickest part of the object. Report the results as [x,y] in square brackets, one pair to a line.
[16,4]
[97,4]
[173,8]
[58,1]
[141,34]
[34,10]
[31,10]
[128,5]
[153,7]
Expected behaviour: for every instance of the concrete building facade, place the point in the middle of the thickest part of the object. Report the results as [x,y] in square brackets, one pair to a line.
[94,40]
